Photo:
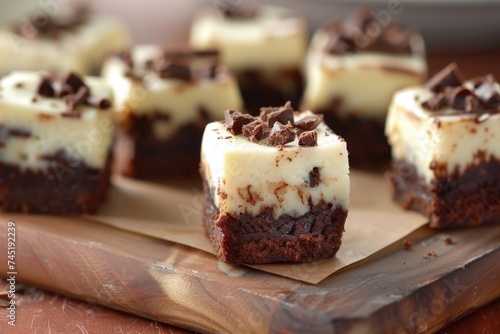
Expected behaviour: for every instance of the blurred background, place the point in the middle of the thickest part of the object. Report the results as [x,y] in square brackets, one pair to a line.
[447,25]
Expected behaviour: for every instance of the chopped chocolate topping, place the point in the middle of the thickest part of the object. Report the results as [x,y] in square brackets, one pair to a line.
[450,90]
[79,97]
[463,99]
[72,89]
[173,71]
[74,81]
[256,131]
[436,102]
[265,111]
[362,32]
[450,76]
[284,115]
[45,88]
[281,134]
[309,122]
[486,91]
[235,121]
[49,26]
[238,12]
[308,138]
[314,177]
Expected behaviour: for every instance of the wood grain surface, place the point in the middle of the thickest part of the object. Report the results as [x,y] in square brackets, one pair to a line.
[410,291]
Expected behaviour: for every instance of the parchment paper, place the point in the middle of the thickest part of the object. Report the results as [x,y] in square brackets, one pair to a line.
[173,214]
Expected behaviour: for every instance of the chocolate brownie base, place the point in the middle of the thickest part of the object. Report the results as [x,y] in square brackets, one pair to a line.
[65,187]
[366,142]
[257,91]
[263,239]
[139,154]
[451,200]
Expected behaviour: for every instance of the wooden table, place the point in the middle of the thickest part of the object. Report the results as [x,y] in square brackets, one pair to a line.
[41,311]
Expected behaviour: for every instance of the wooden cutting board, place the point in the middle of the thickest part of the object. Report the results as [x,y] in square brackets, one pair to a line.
[400,290]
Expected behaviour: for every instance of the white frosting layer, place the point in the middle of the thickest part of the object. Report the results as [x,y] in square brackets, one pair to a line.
[249,177]
[364,82]
[420,136]
[275,39]
[87,138]
[180,99]
[81,50]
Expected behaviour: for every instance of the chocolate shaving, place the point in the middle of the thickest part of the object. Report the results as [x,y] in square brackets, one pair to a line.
[74,81]
[73,90]
[463,99]
[256,131]
[283,115]
[308,138]
[361,32]
[314,177]
[281,134]
[309,122]
[235,121]
[50,26]
[71,113]
[436,102]
[45,88]
[450,76]
[486,91]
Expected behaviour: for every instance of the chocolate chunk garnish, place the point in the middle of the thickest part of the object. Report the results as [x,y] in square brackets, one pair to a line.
[436,102]
[361,31]
[235,121]
[283,115]
[265,111]
[340,45]
[463,99]
[45,88]
[74,81]
[281,134]
[450,76]
[308,138]
[486,91]
[314,177]
[174,71]
[99,102]
[256,131]
[309,122]
[80,97]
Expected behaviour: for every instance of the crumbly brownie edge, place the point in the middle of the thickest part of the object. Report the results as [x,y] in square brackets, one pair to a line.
[453,199]
[61,189]
[263,239]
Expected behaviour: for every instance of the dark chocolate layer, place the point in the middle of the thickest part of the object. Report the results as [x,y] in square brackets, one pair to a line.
[258,92]
[263,239]
[140,154]
[451,200]
[66,187]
